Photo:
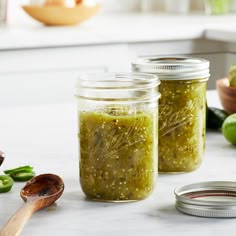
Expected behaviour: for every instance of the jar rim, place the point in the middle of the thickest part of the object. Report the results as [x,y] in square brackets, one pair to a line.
[173,68]
[113,87]
[109,80]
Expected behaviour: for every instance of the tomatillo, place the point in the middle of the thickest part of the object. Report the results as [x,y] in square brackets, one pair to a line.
[229,128]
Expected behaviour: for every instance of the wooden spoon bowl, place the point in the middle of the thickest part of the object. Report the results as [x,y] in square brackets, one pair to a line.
[38,193]
[227,95]
[46,188]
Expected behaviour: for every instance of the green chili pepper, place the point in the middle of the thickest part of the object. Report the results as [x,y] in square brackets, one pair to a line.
[27,169]
[22,173]
[6,183]
[215,117]
[22,176]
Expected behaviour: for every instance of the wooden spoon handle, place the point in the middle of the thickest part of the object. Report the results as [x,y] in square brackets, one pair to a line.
[16,223]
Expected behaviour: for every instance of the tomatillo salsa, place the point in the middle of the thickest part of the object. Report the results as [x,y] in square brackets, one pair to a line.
[182,131]
[118,154]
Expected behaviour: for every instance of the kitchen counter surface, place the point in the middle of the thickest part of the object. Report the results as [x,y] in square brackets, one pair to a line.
[118,29]
[45,137]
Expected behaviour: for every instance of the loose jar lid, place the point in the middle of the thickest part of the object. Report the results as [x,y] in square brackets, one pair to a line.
[173,68]
[207,199]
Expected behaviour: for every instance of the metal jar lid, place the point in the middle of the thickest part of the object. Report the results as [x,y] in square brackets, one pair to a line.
[173,68]
[207,199]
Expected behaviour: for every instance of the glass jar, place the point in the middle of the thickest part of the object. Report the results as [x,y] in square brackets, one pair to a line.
[182,110]
[117,117]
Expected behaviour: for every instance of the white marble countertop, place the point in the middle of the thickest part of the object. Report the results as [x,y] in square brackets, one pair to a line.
[119,28]
[45,137]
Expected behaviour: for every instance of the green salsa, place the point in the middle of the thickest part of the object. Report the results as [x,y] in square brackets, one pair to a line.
[182,112]
[117,154]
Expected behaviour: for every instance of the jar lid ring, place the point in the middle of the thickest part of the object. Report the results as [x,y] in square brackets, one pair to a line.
[207,199]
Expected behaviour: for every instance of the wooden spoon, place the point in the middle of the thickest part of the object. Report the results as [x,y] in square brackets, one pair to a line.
[38,193]
[1,157]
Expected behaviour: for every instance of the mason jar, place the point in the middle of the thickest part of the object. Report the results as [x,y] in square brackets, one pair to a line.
[182,110]
[117,120]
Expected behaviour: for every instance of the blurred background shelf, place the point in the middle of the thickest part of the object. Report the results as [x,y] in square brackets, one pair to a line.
[41,64]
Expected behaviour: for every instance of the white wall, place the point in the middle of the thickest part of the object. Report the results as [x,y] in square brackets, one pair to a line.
[16,15]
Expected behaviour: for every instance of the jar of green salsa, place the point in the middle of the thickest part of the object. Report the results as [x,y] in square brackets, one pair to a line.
[182,110]
[117,120]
